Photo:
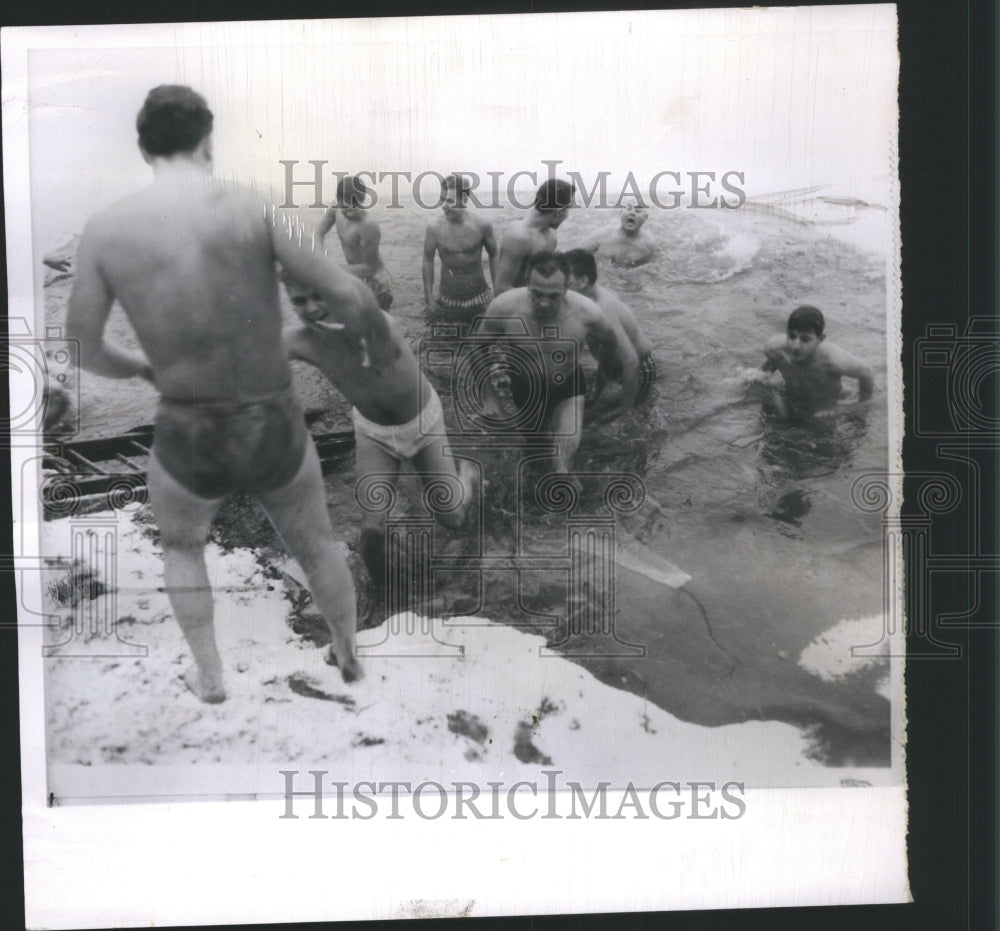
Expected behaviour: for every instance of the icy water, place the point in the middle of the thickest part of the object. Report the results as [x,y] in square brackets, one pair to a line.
[756,510]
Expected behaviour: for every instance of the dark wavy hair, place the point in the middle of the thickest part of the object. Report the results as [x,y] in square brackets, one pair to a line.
[806,319]
[173,119]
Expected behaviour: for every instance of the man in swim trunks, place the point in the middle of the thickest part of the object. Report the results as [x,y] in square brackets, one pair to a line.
[459,238]
[199,288]
[397,416]
[359,236]
[626,243]
[583,280]
[535,233]
[555,316]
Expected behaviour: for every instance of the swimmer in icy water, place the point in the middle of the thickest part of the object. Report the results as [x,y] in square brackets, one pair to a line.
[397,415]
[535,234]
[459,238]
[625,244]
[557,317]
[360,237]
[583,280]
[200,289]
[811,366]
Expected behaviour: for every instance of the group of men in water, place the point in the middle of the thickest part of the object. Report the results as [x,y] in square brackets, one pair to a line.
[193,264]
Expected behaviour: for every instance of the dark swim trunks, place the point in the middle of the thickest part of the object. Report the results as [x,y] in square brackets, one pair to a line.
[647,375]
[214,448]
[550,395]
[381,286]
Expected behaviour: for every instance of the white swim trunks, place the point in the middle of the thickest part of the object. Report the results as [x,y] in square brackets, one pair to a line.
[404,441]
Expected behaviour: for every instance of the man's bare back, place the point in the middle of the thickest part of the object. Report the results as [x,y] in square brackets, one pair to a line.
[198,287]
[534,235]
[193,266]
[385,392]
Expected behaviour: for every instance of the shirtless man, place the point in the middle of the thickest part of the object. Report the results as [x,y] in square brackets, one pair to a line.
[397,416]
[545,307]
[193,265]
[583,280]
[459,238]
[626,243]
[535,233]
[360,237]
[812,367]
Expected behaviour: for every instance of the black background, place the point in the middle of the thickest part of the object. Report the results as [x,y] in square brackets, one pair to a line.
[947,169]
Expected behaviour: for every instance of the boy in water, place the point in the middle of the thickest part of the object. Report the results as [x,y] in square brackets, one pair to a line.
[360,237]
[459,238]
[812,367]
[386,386]
[583,280]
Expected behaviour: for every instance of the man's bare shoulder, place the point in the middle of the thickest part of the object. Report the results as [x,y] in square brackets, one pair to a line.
[518,233]
[480,224]
[831,354]
[582,305]
[507,302]
[368,223]
[607,300]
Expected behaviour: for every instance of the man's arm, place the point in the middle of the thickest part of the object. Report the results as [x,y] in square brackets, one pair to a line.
[326,224]
[643,347]
[514,251]
[609,340]
[852,367]
[427,268]
[89,306]
[490,245]
[594,241]
[348,300]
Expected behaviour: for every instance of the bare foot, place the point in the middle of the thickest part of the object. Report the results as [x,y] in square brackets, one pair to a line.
[350,671]
[207,689]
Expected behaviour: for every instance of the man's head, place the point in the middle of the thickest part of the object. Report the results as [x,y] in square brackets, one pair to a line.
[582,269]
[548,273]
[174,120]
[454,194]
[633,215]
[352,193]
[805,332]
[553,199]
[306,302]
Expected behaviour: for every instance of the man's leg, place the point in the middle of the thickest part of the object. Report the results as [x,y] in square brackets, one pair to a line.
[433,463]
[298,512]
[184,521]
[372,463]
[567,420]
